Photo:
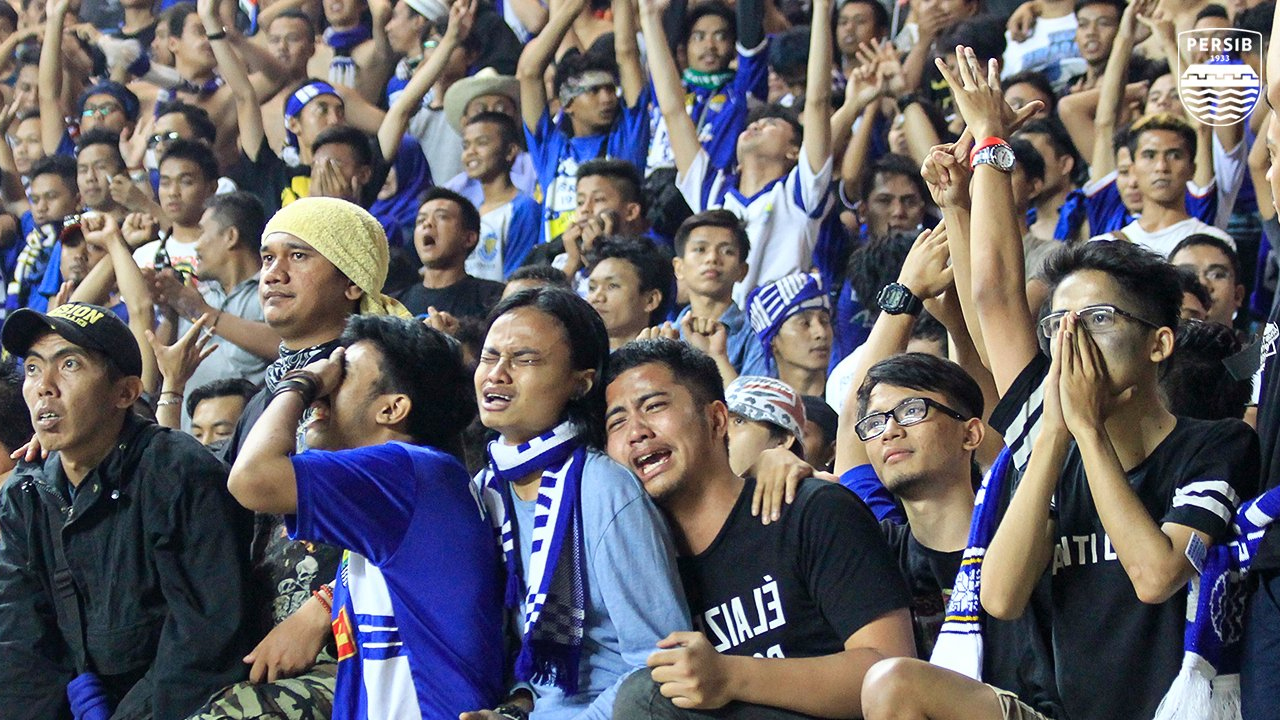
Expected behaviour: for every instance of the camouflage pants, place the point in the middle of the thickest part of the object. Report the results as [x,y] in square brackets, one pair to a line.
[308,696]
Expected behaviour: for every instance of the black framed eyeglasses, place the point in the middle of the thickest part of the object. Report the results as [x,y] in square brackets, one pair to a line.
[911,411]
[1094,318]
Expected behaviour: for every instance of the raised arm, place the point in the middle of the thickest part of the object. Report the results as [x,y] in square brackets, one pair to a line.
[667,86]
[997,262]
[462,15]
[627,51]
[817,90]
[1111,90]
[102,229]
[537,57]
[52,125]
[926,273]
[232,67]
[375,60]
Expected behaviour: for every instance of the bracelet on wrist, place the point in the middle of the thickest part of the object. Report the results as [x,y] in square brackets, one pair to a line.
[170,392]
[304,382]
[326,599]
[166,403]
[219,35]
[511,711]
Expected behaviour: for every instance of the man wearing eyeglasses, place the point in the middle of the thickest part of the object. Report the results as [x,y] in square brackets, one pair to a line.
[791,614]
[1218,267]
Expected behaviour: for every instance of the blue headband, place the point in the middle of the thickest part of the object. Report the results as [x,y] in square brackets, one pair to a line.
[299,100]
[768,306]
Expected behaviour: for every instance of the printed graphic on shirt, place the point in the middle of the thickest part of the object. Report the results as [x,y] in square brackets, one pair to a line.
[1224,89]
[745,617]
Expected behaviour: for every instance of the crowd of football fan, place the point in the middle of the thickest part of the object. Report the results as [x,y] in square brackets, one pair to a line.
[639,359]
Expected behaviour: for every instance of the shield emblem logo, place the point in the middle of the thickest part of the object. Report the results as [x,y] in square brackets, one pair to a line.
[1218,88]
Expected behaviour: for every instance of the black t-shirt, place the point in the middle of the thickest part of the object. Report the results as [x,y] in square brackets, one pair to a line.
[1115,656]
[1268,557]
[930,575]
[469,297]
[795,588]
[272,180]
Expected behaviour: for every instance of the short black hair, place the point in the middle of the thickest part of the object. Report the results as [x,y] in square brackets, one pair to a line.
[1167,122]
[784,114]
[195,152]
[426,365]
[541,273]
[1215,242]
[508,132]
[1028,158]
[921,371]
[1056,134]
[718,218]
[353,138]
[1036,80]
[651,265]
[8,13]
[1257,19]
[894,165]
[876,264]
[225,387]
[929,329]
[15,416]
[1119,5]
[693,369]
[1212,11]
[101,136]
[197,118]
[295,14]
[789,54]
[719,8]
[1148,282]
[818,412]
[878,13]
[244,212]
[63,166]
[470,216]
[983,33]
[1189,281]
[588,349]
[1196,383]
[574,63]
[624,177]
[177,19]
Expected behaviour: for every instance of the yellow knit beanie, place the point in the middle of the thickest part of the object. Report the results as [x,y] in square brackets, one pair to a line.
[350,238]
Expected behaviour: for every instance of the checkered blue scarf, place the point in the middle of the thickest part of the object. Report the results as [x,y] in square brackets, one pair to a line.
[554,592]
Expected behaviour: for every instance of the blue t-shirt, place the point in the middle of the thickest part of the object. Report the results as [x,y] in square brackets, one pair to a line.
[634,593]
[1107,213]
[746,354]
[418,610]
[557,156]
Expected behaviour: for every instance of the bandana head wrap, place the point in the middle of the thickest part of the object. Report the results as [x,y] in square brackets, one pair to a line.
[584,83]
[347,236]
[768,306]
[299,99]
[766,399]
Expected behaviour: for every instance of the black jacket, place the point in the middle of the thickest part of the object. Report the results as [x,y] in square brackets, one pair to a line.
[156,549]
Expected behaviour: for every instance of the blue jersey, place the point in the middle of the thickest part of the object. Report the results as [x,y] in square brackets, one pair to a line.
[557,156]
[1107,213]
[418,606]
[719,115]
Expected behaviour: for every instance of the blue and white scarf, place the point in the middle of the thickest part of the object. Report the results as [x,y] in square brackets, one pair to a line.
[1208,685]
[554,592]
[342,68]
[959,646]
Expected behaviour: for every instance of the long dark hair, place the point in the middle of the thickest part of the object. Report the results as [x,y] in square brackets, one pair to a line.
[588,349]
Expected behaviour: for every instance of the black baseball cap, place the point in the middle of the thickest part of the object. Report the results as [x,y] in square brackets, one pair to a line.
[92,327]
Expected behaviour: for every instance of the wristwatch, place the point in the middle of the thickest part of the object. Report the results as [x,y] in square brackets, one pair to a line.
[897,299]
[511,711]
[994,152]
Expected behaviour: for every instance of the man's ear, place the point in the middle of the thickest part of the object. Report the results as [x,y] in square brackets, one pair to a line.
[974,433]
[631,212]
[718,417]
[586,381]
[1162,348]
[653,299]
[293,124]
[353,292]
[126,392]
[1239,295]
[393,409]
[677,265]
[473,239]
